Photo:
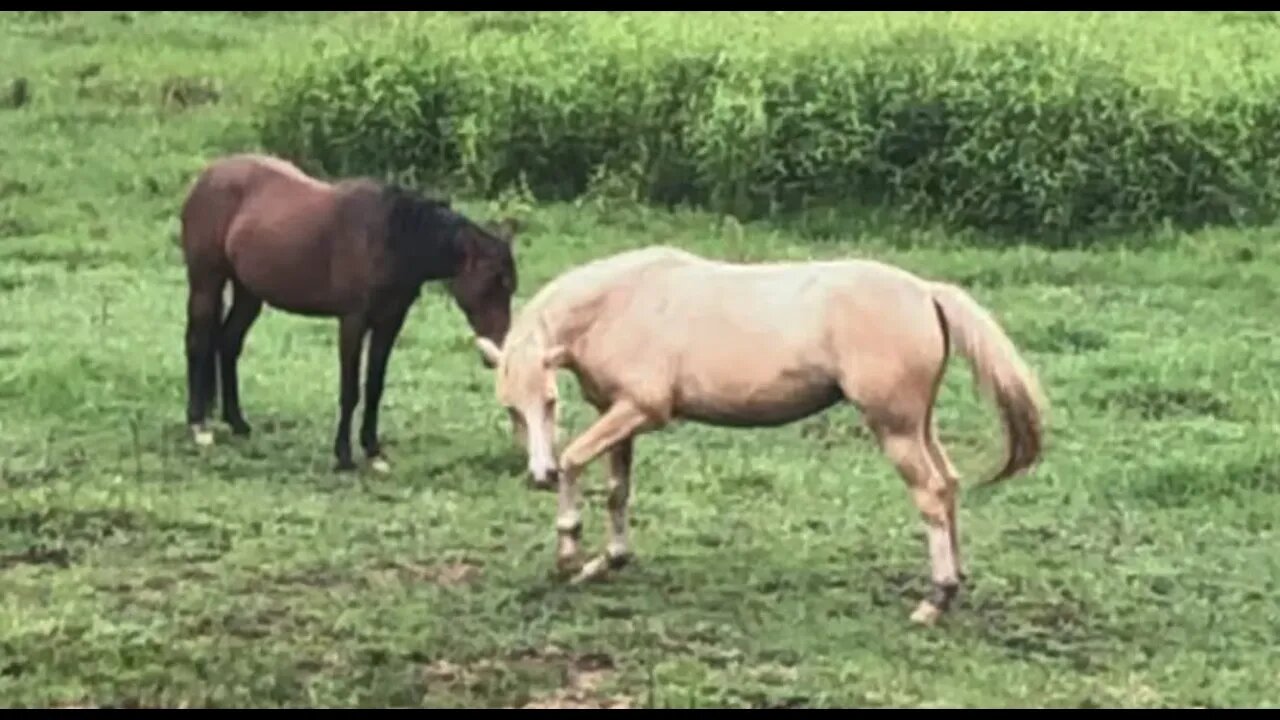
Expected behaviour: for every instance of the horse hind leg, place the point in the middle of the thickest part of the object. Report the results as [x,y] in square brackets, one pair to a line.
[204,311]
[897,403]
[952,478]
[905,443]
[245,308]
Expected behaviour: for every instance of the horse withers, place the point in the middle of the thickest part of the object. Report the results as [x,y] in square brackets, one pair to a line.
[358,250]
[660,334]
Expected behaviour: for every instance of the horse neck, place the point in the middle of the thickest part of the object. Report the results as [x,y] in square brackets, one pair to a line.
[438,259]
[565,315]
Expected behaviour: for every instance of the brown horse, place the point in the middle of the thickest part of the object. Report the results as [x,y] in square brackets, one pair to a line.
[659,334]
[357,250]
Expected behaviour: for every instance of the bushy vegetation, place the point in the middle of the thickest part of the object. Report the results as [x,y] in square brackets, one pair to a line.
[1049,125]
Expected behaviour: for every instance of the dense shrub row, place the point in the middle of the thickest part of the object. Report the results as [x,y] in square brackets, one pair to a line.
[1045,126]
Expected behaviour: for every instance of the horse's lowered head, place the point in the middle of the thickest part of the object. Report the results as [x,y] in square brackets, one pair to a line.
[429,240]
[526,387]
[487,279]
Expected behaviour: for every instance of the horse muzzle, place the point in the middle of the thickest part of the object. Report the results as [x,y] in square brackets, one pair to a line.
[545,481]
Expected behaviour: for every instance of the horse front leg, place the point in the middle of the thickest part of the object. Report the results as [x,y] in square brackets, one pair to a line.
[616,426]
[617,548]
[351,332]
[381,341]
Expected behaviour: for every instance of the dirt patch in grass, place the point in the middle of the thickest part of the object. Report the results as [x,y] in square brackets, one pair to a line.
[579,680]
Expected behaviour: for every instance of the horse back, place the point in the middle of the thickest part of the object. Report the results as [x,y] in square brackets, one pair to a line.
[300,243]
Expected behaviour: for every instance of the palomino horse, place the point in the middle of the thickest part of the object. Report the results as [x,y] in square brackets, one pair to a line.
[358,250]
[659,334]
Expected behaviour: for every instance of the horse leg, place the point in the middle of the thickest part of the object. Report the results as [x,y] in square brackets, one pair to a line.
[245,308]
[617,424]
[952,478]
[382,339]
[905,443]
[351,331]
[204,311]
[617,550]
[210,386]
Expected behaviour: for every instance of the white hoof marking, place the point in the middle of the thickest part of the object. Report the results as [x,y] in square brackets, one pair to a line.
[597,567]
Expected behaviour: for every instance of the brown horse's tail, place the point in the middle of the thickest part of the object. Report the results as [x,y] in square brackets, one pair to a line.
[999,371]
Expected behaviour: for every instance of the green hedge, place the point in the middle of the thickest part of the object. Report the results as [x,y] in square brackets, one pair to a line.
[1043,125]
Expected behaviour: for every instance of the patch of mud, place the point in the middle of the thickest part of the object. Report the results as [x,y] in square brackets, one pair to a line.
[584,678]
[580,678]
[1061,630]
[1061,338]
[36,556]
[1156,402]
[447,574]
[184,92]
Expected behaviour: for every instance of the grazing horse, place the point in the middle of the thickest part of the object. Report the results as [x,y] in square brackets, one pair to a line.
[659,334]
[357,250]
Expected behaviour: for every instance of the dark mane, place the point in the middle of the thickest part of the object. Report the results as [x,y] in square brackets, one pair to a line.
[421,234]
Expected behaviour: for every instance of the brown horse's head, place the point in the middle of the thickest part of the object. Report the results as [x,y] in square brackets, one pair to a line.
[486,278]
[428,240]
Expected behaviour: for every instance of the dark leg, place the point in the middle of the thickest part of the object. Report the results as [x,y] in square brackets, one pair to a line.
[204,310]
[211,377]
[245,308]
[351,331]
[381,341]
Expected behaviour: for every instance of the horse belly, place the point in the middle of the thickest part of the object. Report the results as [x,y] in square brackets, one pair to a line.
[752,395]
[293,278]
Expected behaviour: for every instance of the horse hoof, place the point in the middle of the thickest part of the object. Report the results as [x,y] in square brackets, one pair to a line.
[203,437]
[926,614]
[380,465]
[593,570]
[344,466]
[240,429]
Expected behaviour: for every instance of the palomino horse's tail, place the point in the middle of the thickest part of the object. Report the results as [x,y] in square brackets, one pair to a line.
[999,371]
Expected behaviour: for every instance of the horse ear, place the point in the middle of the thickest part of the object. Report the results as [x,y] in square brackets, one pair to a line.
[555,357]
[489,352]
[506,228]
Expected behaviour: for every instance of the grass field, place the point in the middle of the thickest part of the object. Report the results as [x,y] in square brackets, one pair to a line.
[1136,567]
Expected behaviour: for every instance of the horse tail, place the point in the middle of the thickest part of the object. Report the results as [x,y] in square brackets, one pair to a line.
[998,371]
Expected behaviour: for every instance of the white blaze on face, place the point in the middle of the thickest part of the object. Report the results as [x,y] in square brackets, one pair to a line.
[527,387]
[540,431]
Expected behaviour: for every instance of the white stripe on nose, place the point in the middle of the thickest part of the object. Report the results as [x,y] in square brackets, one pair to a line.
[542,463]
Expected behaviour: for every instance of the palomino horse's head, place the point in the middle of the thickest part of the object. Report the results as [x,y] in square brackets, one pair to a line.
[526,387]
[484,285]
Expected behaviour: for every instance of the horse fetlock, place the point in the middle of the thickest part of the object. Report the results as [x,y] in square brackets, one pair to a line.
[618,558]
[943,594]
[238,425]
[569,525]
[931,609]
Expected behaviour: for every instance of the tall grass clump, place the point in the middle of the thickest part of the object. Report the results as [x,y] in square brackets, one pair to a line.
[1047,126]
